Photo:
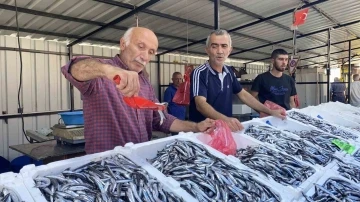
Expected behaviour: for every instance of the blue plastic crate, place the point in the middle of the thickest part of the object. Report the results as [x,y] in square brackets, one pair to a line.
[72,118]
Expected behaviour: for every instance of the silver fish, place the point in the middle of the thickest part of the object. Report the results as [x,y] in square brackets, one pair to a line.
[114,178]
[8,195]
[334,190]
[350,171]
[320,124]
[320,139]
[294,147]
[357,155]
[282,168]
[207,177]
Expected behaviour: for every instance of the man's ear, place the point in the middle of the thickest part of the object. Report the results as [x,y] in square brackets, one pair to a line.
[207,50]
[122,44]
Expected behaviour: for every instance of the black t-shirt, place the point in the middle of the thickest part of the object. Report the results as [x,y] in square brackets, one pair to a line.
[274,89]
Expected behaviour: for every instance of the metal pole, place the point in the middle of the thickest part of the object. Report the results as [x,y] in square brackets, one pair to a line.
[159,77]
[216,14]
[72,104]
[328,66]
[349,72]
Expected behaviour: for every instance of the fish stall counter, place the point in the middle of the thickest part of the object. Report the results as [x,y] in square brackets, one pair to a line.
[205,173]
[106,176]
[273,162]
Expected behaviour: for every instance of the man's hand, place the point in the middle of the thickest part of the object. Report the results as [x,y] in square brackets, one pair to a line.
[234,124]
[206,126]
[278,113]
[129,81]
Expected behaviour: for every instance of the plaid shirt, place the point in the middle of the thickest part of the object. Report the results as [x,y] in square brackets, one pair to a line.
[108,120]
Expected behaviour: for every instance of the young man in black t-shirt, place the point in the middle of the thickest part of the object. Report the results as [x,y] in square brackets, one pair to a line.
[274,85]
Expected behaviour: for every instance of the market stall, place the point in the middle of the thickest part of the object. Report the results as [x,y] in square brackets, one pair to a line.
[302,158]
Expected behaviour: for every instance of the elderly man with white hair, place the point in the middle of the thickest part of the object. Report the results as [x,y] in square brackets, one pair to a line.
[108,120]
[355,91]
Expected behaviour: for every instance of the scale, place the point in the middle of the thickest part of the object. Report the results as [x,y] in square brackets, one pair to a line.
[68,134]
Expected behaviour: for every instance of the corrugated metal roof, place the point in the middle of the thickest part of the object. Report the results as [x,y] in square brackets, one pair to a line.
[200,13]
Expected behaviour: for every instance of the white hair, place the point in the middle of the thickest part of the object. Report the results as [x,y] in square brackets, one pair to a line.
[218,32]
[127,35]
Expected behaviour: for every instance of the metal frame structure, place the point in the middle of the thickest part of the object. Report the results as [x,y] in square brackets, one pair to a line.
[217,3]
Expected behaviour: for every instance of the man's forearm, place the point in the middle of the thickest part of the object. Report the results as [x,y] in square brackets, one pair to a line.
[186,126]
[88,69]
[292,104]
[209,112]
[253,103]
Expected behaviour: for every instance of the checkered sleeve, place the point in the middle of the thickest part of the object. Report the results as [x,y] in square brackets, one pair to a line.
[165,126]
[86,88]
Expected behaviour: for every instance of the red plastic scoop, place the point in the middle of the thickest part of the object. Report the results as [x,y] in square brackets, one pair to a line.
[139,102]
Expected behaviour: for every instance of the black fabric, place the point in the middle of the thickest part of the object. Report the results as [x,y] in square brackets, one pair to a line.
[277,90]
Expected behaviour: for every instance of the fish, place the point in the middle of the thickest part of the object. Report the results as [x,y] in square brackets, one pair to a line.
[334,190]
[356,155]
[297,148]
[207,177]
[320,139]
[8,195]
[349,170]
[115,178]
[282,168]
[322,125]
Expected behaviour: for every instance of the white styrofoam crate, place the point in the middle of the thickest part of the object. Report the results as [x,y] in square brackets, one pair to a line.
[356,133]
[148,150]
[329,174]
[292,126]
[320,113]
[343,110]
[14,183]
[341,106]
[30,172]
[335,166]
[287,127]
[243,141]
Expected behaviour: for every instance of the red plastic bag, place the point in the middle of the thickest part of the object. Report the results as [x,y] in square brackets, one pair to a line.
[182,95]
[222,139]
[272,106]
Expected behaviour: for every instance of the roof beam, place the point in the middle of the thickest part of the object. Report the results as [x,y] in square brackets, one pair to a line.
[342,51]
[302,36]
[69,36]
[90,22]
[304,50]
[324,62]
[254,15]
[331,19]
[79,20]
[249,24]
[163,15]
[117,20]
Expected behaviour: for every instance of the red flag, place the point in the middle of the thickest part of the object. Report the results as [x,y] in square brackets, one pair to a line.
[300,17]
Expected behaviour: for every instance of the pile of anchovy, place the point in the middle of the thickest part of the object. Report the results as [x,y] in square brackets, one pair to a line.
[7,195]
[319,139]
[350,171]
[294,147]
[282,168]
[356,128]
[357,155]
[335,190]
[303,118]
[207,177]
[112,179]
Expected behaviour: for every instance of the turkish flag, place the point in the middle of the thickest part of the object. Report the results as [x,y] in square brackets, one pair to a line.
[300,17]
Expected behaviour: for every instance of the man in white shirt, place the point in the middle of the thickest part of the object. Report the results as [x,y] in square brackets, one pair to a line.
[355,91]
